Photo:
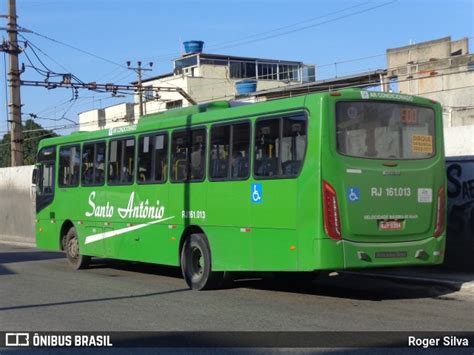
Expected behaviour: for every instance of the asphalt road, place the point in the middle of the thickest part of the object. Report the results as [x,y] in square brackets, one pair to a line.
[39,292]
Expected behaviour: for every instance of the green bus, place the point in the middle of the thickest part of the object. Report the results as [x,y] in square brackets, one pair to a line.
[326,181]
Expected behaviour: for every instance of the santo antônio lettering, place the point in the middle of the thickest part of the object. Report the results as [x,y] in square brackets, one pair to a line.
[141,210]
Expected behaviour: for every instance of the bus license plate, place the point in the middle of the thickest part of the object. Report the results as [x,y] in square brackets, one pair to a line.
[390,225]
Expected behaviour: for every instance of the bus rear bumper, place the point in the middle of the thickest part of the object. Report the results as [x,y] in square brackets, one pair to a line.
[429,251]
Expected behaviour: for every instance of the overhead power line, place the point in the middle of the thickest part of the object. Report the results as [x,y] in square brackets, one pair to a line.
[72,47]
[229,42]
[320,89]
[113,88]
[308,26]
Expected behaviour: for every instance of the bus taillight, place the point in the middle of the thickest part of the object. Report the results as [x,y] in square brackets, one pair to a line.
[332,222]
[440,211]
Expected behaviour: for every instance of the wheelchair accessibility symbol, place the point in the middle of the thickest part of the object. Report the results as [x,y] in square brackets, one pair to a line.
[257,193]
[353,194]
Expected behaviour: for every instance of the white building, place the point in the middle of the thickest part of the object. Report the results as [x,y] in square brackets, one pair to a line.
[204,77]
[441,70]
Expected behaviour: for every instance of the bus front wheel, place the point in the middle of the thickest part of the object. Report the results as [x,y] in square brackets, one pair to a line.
[196,264]
[76,260]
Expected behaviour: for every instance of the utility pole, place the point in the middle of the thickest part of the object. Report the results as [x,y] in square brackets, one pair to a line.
[139,69]
[14,88]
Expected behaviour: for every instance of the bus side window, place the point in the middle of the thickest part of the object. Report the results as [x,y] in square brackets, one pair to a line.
[152,158]
[179,156]
[129,161]
[266,153]
[188,155]
[229,156]
[93,164]
[145,147]
[87,176]
[115,161]
[198,154]
[280,146]
[293,144]
[220,150]
[160,157]
[121,161]
[99,163]
[46,179]
[240,150]
[69,166]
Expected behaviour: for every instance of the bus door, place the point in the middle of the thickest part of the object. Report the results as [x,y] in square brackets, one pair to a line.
[280,146]
[385,180]
[44,180]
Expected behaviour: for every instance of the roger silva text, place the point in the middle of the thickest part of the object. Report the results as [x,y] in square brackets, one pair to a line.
[445,341]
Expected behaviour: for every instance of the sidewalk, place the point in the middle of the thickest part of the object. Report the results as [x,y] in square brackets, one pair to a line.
[18,241]
[452,279]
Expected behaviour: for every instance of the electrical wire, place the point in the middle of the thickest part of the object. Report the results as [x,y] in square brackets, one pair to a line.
[71,46]
[328,87]
[216,45]
[289,88]
[306,27]
[44,53]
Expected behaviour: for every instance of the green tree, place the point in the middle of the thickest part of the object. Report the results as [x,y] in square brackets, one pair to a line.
[33,133]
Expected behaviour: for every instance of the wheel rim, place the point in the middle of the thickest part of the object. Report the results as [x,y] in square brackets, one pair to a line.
[197,263]
[73,248]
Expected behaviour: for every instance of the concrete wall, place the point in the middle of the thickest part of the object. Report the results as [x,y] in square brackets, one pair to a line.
[460,241]
[459,141]
[89,120]
[109,117]
[440,70]
[17,212]
[436,49]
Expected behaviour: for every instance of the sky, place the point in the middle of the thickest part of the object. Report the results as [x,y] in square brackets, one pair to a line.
[98,37]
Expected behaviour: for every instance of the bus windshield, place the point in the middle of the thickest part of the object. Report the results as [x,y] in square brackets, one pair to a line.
[380,130]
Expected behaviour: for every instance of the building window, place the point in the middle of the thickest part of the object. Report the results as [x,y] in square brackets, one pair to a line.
[185,62]
[69,166]
[267,71]
[241,70]
[288,72]
[174,104]
[209,61]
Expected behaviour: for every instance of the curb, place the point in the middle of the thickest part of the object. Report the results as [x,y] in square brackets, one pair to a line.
[458,286]
[19,244]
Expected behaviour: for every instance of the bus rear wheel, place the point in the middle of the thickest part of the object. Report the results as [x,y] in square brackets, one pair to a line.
[196,264]
[76,260]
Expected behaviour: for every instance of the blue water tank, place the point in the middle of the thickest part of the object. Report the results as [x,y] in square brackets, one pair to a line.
[193,46]
[246,86]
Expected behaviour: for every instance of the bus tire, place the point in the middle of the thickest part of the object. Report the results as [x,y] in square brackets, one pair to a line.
[75,258]
[196,264]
